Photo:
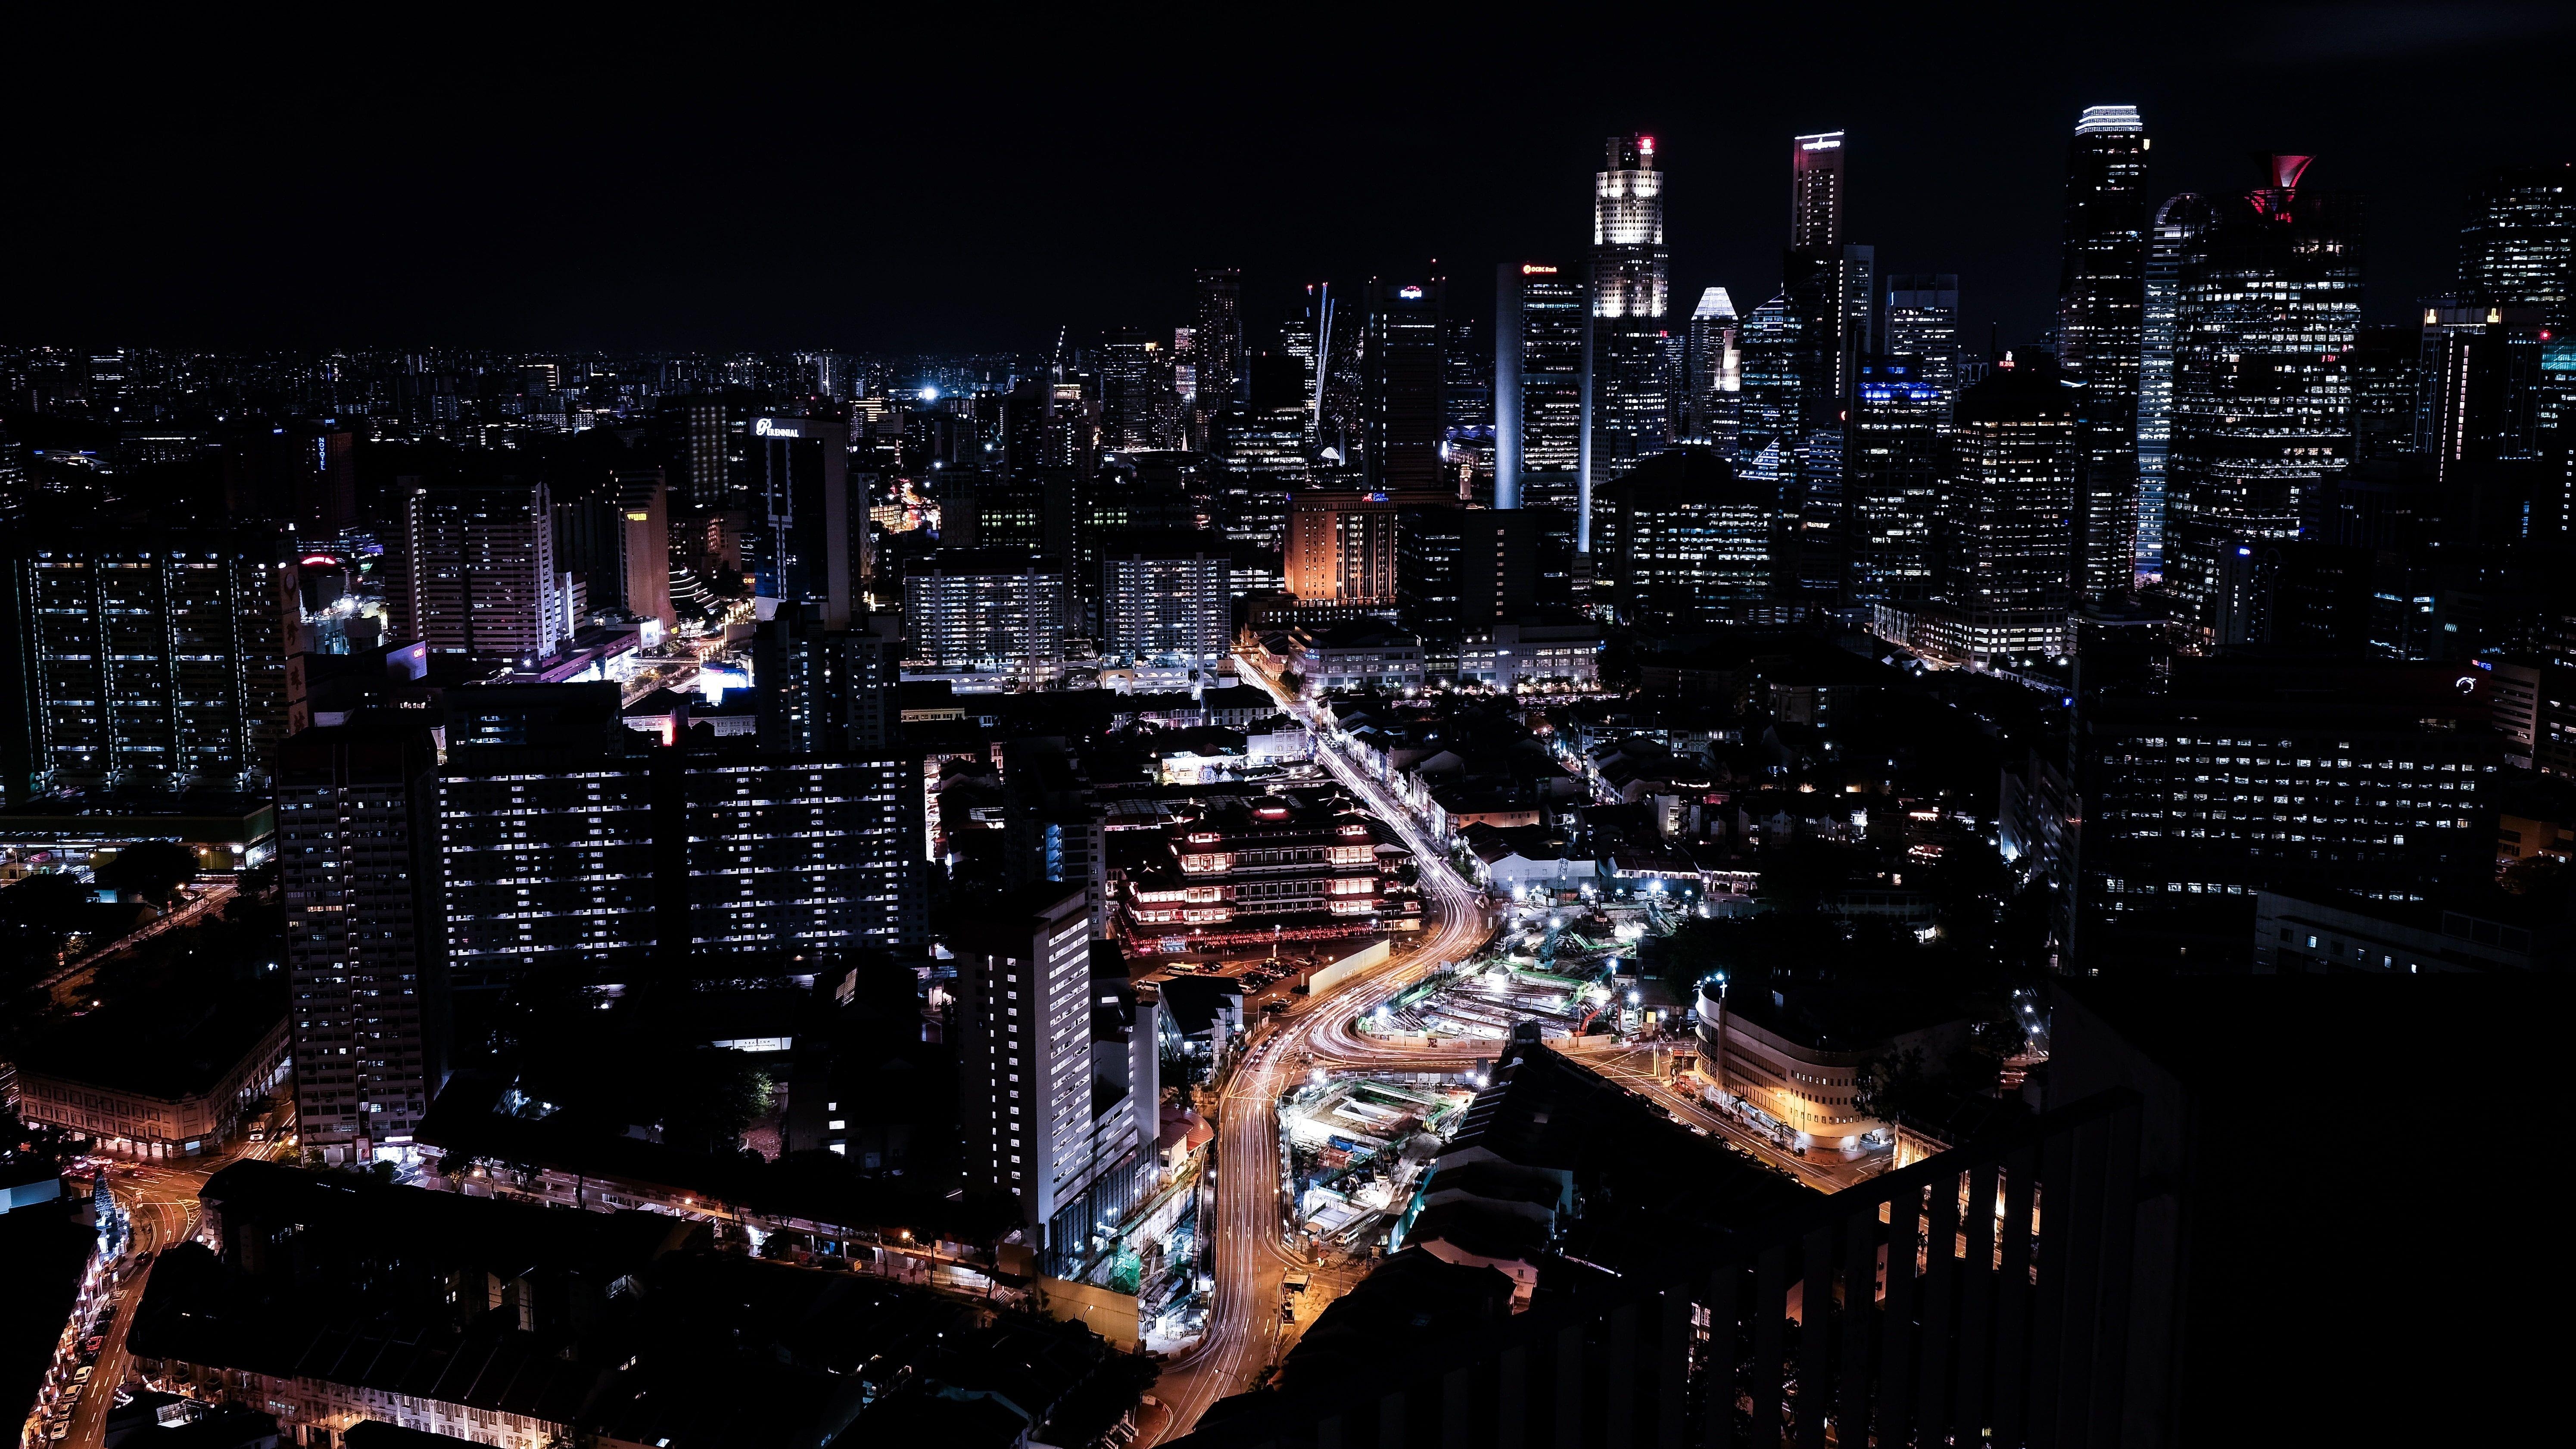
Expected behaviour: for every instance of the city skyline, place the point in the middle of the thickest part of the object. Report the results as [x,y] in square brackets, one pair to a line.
[464,243]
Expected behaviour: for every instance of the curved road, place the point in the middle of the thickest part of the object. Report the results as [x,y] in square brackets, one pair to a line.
[1251,1260]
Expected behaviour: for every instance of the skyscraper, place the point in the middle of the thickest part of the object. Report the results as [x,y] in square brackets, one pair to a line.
[1402,405]
[2178,225]
[1816,192]
[1038,1124]
[1624,409]
[1922,322]
[2007,540]
[992,610]
[2518,240]
[1715,372]
[2101,300]
[1131,392]
[147,659]
[1216,342]
[478,572]
[1165,592]
[1891,477]
[809,528]
[2262,413]
[356,816]
[1539,323]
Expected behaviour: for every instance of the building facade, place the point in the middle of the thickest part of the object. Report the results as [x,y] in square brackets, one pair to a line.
[1539,322]
[479,576]
[1624,406]
[995,611]
[2101,302]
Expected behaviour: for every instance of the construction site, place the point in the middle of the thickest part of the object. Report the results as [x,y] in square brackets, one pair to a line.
[1553,966]
[1354,1145]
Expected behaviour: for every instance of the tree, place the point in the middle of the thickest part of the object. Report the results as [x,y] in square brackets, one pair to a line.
[151,869]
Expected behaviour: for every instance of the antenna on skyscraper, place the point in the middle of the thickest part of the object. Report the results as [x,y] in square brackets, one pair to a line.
[1057,366]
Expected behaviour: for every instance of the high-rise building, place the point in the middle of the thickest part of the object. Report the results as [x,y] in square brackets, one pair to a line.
[1891,478]
[1460,568]
[1625,413]
[1132,391]
[2101,302]
[1772,412]
[1260,451]
[617,542]
[2007,520]
[1216,342]
[1539,324]
[1037,1123]
[1714,372]
[696,448]
[2518,240]
[1166,593]
[356,819]
[1405,416]
[997,611]
[1816,192]
[478,574]
[147,659]
[586,867]
[829,691]
[1922,322]
[809,523]
[1342,548]
[2174,234]
[2481,366]
[1684,541]
[2387,380]
[2262,412]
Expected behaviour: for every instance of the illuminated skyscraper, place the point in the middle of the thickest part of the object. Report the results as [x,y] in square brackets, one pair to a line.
[1816,192]
[1539,318]
[2518,240]
[2007,573]
[2178,225]
[1624,412]
[2262,408]
[1403,355]
[1714,378]
[2101,299]
[1891,477]
[1922,322]
[1216,343]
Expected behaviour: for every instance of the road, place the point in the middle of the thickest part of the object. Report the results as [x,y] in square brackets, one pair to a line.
[62,982]
[161,1201]
[1251,1258]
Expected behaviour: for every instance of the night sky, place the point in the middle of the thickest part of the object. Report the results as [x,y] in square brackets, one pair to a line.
[968,179]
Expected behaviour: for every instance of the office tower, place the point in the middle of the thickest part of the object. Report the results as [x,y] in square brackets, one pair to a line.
[572,867]
[478,572]
[1034,1125]
[147,659]
[1772,409]
[1302,337]
[696,449]
[2007,520]
[1683,541]
[1714,372]
[2387,380]
[1922,322]
[1539,324]
[300,474]
[1166,592]
[829,691]
[2175,232]
[1460,568]
[1405,416]
[2262,410]
[618,543]
[2101,302]
[1131,415]
[1342,547]
[994,611]
[1816,192]
[1216,343]
[2481,366]
[1624,407]
[809,523]
[2518,240]
[1051,823]
[2373,779]
[1891,478]
[1467,378]
[1259,451]
[356,846]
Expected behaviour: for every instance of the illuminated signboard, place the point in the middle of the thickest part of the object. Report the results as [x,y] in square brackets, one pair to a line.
[774,428]
[1533,269]
[1410,294]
